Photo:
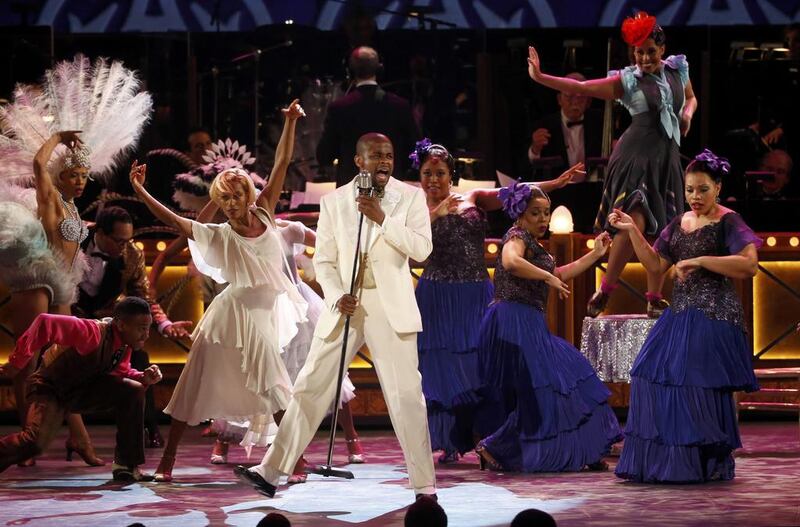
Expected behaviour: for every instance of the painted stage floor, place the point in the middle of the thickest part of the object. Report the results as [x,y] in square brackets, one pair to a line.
[765,492]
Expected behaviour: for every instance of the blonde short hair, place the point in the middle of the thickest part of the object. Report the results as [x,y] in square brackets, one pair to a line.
[227,180]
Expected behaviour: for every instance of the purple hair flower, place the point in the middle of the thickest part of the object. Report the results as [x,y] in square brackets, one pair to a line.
[515,198]
[419,150]
[713,162]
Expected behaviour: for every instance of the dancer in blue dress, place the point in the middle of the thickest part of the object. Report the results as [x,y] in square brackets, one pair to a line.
[452,295]
[682,421]
[560,419]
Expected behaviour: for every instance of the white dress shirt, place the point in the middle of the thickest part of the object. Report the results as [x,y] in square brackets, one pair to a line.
[573,140]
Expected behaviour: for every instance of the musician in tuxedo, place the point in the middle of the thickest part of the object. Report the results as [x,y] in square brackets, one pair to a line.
[573,133]
[116,267]
[367,108]
[384,315]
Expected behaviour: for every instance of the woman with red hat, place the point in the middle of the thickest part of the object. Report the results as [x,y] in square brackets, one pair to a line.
[644,176]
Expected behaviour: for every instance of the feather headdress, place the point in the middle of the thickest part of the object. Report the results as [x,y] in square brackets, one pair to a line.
[101,99]
[191,188]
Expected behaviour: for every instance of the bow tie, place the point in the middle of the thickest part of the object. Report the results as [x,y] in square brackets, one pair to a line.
[570,124]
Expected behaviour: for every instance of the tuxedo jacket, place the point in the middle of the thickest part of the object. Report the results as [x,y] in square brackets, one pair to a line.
[557,147]
[366,109]
[405,233]
[125,276]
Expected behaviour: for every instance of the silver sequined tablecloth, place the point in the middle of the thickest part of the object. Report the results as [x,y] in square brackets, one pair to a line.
[612,343]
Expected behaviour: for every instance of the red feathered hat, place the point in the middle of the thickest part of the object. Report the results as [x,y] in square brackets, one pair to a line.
[637,29]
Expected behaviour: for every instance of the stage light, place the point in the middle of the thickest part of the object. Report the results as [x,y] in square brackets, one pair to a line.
[140,245]
[590,243]
[310,251]
[161,246]
[289,22]
[771,241]
[794,241]
[492,248]
[561,221]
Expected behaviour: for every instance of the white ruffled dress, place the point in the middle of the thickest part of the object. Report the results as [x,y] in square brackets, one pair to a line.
[261,430]
[235,370]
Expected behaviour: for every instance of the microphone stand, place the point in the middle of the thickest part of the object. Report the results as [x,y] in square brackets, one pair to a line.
[328,470]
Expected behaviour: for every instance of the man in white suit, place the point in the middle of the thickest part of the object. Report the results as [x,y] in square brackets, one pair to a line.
[384,315]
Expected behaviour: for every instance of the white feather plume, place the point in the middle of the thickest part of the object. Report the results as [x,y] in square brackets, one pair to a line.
[101,99]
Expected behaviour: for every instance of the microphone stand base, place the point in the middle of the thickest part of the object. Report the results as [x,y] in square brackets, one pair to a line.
[330,471]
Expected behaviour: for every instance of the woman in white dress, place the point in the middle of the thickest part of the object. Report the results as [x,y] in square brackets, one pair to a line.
[235,370]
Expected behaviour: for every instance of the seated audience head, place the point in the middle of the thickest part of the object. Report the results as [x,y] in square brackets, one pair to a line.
[779,163]
[364,63]
[425,512]
[703,181]
[234,192]
[274,519]
[199,140]
[375,154]
[533,518]
[132,319]
[573,105]
[114,229]
[436,168]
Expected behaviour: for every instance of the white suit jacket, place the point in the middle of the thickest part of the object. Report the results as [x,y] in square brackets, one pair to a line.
[405,233]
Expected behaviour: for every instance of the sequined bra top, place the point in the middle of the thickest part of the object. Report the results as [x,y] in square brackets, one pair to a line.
[72,228]
[510,288]
[457,254]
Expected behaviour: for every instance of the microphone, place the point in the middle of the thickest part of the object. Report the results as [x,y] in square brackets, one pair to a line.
[364,183]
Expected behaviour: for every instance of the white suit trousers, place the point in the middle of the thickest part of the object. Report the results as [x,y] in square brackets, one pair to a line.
[395,359]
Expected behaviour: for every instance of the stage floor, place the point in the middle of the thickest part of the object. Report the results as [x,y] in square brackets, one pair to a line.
[57,493]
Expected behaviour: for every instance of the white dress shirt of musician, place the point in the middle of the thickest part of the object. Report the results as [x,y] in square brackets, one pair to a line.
[384,313]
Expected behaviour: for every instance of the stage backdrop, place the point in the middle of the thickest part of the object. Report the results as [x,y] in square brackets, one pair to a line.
[84,16]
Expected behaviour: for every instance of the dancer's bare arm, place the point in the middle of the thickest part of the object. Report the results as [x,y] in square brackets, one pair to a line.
[607,88]
[268,197]
[166,216]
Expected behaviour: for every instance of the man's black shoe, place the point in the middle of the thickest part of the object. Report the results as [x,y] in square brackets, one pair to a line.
[255,479]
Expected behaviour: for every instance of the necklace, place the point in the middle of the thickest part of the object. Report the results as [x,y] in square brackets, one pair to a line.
[72,228]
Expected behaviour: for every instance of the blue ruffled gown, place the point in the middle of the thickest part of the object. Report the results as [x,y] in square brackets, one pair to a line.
[559,419]
[682,421]
[452,295]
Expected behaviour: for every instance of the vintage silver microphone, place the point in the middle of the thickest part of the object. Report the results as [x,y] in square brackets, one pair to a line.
[363,182]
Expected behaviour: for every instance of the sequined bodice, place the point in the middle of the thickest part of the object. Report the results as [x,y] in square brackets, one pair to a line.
[515,289]
[457,254]
[711,293]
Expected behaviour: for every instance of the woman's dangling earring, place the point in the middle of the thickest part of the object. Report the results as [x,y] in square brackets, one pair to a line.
[717,199]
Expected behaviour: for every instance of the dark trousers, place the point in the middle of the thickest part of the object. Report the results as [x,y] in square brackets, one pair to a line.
[124,397]
[140,360]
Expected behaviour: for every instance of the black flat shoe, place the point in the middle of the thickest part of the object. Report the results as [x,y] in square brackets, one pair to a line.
[261,485]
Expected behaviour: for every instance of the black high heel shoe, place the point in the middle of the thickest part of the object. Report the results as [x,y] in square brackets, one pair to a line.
[486,459]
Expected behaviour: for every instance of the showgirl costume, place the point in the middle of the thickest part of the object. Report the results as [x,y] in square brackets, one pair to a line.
[682,424]
[102,100]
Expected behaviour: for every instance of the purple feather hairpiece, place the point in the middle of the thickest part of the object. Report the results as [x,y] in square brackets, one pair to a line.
[419,150]
[515,198]
[713,162]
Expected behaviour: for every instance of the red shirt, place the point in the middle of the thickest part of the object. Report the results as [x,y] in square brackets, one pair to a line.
[79,333]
